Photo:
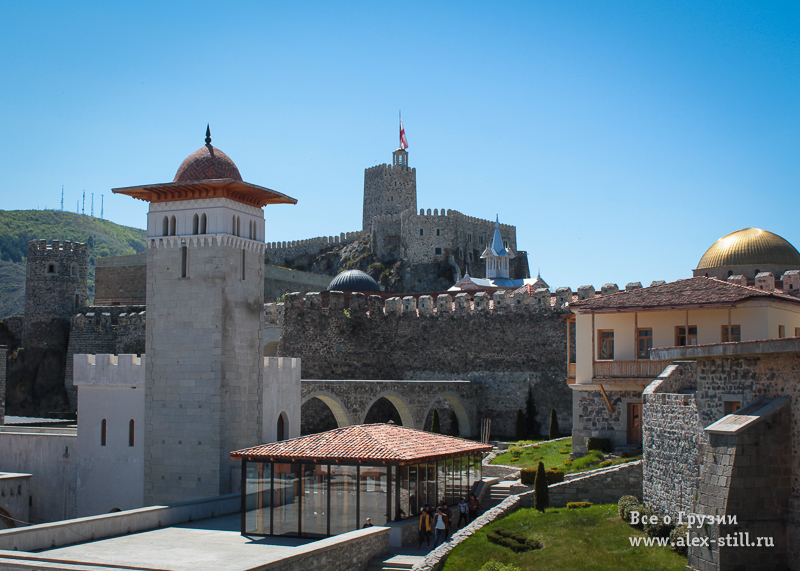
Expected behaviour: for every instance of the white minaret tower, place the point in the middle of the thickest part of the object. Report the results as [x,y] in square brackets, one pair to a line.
[497,255]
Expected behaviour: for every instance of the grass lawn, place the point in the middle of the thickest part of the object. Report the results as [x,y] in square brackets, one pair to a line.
[589,539]
[554,454]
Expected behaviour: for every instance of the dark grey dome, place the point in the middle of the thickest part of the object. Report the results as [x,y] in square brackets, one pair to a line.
[353,280]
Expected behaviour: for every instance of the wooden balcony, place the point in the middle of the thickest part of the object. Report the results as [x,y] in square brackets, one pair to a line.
[644,370]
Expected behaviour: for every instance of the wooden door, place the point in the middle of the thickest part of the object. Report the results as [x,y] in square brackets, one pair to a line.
[634,423]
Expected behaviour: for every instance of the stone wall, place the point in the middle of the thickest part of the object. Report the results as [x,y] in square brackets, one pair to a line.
[514,348]
[14,494]
[3,351]
[278,281]
[120,280]
[389,189]
[594,418]
[281,253]
[746,475]
[604,486]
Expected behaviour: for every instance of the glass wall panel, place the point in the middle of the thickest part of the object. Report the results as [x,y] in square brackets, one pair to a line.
[343,499]
[475,473]
[315,500]
[465,481]
[405,491]
[258,498]
[286,499]
[430,483]
[442,480]
[413,490]
[373,494]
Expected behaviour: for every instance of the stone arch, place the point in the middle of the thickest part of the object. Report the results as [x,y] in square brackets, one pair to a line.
[6,519]
[399,403]
[333,403]
[464,425]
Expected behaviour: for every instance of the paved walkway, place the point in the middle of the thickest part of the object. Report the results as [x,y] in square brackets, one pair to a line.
[208,545]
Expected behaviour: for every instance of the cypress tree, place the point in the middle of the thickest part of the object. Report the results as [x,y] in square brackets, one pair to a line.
[531,424]
[540,493]
[455,429]
[435,424]
[520,428]
[554,433]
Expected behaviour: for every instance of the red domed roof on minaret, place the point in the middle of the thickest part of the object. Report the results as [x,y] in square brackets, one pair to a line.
[207,163]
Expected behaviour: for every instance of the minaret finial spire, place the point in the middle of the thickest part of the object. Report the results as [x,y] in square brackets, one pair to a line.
[208,134]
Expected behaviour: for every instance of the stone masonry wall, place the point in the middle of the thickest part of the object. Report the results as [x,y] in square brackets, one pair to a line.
[599,487]
[747,476]
[388,189]
[120,280]
[594,418]
[3,351]
[515,348]
[277,253]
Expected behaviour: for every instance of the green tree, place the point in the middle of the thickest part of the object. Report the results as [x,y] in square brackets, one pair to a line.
[455,429]
[540,493]
[435,424]
[554,433]
[520,428]
[533,426]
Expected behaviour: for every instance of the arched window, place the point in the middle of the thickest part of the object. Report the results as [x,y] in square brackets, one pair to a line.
[203,223]
[195,224]
[131,431]
[239,226]
[281,434]
[173,226]
[165,227]
[103,433]
[74,271]
[77,300]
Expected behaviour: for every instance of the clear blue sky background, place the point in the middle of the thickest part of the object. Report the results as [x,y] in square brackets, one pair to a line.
[621,138]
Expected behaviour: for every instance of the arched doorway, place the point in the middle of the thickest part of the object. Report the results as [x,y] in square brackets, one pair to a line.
[383,411]
[453,417]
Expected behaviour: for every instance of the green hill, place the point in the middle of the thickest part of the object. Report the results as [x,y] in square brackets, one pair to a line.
[18,227]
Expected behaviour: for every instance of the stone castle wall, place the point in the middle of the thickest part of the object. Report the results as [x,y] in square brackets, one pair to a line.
[3,351]
[412,338]
[277,253]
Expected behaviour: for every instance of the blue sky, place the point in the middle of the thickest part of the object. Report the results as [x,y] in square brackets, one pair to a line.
[621,138]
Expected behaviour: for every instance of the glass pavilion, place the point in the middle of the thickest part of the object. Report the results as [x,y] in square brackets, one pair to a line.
[328,483]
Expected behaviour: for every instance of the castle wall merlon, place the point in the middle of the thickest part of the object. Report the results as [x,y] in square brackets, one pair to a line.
[105,370]
[206,240]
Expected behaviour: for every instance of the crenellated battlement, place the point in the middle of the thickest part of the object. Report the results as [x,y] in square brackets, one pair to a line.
[105,370]
[343,238]
[389,168]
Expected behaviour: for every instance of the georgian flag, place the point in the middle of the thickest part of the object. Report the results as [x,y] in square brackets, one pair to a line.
[403,140]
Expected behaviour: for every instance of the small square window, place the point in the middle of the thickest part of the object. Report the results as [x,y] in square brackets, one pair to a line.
[51,268]
[438,251]
[781,331]
[438,232]
[421,231]
[731,334]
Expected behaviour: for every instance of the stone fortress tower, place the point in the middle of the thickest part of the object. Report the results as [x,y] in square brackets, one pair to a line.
[205,296]
[55,286]
[389,189]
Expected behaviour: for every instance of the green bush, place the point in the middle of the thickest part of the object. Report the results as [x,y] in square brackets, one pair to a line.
[540,494]
[515,452]
[605,463]
[644,513]
[578,505]
[497,566]
[624,502]
[602,444]
[679,532]
[515,541]
[658,528]
[568,462]
[554,476]
[554,432]
[527,476]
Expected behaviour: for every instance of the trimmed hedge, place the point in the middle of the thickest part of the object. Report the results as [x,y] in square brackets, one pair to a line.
[527,476]
[578,505]
[554,476]
[515,541]
[625,502]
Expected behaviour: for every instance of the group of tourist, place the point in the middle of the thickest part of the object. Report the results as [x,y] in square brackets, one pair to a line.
[440,521]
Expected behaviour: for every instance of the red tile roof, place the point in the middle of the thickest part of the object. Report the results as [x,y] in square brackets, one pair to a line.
[696,291]
[365,444]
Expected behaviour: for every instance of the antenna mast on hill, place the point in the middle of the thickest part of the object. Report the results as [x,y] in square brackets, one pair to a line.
[92,211]
[62,198]
[77,207]
[83,208]
[101,207]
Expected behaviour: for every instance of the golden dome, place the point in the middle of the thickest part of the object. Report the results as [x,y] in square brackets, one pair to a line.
[749,247]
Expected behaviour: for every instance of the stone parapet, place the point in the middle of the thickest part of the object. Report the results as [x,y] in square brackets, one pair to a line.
[109,370]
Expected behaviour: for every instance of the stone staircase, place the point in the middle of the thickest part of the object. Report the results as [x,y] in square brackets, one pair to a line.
[393,562]
[495,495]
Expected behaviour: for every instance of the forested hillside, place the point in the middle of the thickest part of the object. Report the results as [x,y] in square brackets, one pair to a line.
[18,227]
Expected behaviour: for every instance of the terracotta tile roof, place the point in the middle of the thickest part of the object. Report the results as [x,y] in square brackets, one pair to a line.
[690,292]
[365,443]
